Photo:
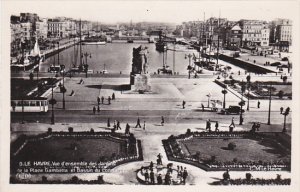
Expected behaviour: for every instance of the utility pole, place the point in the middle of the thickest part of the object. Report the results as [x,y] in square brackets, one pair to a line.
[270,98]
[174,59]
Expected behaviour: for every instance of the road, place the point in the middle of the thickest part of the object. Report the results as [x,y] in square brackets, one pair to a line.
[150,116]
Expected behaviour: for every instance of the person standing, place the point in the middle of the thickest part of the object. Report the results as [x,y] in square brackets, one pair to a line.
[98,100]
[208,125]
[232,125]
[184,175]
[168,179]
[281,110]
[159,159]
[98,108]
[109,99]
[113,97]
[258,104]
[152,177]
[108,122]
[144,126]
[146,176]
[162,120]
[217,126]
[183,104]
[102,99]
[159,179]
[127,129]
[94,110]
[138,123]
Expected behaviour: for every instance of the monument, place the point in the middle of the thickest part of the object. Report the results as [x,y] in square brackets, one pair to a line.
[139,76]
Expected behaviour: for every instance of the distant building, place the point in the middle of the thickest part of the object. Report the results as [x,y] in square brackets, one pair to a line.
[234,36]
[281,34]
[251,30]
[265,35]
[56,28]
[42,28]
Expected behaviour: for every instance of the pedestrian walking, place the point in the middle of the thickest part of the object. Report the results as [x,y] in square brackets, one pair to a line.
[109,99]
[144,126]
[138,123]
[102,99]
[183,104]
[162,120]
[202,106]
[113,97]
[118,125]
[184,175]
[258,104]
[152,177]
[281,110]
[94,110]
[217,126]
[159,179]
[208,125]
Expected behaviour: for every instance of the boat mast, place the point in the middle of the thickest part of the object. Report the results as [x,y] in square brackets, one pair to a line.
[80,47]
[218,40]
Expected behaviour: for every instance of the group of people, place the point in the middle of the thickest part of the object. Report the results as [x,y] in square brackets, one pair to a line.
[149,175]
[113,97]
[208,125]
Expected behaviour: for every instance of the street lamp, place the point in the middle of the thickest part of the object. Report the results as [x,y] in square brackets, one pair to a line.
[86,66]
[270,98]
[224,91]
[189,67]
[242,103]
[248,87]
[286,113]
[52,102]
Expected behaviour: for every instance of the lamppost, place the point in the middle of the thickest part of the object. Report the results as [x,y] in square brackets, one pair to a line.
[242,103]
[270,98]
[189,67]
[52,102]
[248,87]
[286,113]
[86,66]
[224,91]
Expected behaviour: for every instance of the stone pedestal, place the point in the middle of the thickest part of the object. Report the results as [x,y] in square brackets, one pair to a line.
[142,83]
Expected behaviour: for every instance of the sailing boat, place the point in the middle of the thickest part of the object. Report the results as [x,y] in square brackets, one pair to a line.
[29,61]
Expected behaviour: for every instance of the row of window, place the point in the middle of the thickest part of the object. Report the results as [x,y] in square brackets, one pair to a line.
[29,103]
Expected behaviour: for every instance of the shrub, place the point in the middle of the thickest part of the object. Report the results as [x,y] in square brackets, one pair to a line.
[248,176]
[280,94]
[188,131]
[70,129]
[231,146]
[49,130]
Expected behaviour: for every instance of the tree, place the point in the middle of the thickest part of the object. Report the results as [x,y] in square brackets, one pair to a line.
[284,79]
[224,92]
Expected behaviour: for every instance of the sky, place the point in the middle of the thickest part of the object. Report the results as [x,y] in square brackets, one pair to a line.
[155,11]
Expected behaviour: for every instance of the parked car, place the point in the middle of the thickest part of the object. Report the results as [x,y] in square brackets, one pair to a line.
[232,110]
[275,64]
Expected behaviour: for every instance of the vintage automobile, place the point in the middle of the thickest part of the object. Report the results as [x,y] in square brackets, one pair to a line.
[232,110]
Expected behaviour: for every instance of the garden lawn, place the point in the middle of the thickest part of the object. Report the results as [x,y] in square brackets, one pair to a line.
[59,149]
[246,149]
